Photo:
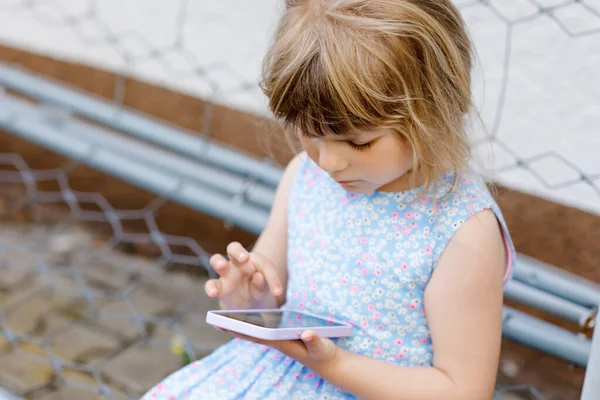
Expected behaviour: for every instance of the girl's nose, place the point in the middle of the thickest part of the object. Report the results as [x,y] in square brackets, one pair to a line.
[331,159]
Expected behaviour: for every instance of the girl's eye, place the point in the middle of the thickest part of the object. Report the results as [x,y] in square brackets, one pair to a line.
[361,146]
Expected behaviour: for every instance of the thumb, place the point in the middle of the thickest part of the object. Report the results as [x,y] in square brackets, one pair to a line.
[316,346]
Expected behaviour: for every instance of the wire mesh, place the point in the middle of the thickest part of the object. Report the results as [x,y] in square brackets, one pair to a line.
[138,320]
[551,169]
[139,50]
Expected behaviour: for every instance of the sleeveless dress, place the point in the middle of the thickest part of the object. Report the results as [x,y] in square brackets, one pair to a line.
[361,258]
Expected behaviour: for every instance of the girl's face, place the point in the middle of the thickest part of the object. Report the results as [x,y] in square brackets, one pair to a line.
[366,161]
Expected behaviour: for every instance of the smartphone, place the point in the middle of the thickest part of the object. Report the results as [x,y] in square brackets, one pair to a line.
[277,324]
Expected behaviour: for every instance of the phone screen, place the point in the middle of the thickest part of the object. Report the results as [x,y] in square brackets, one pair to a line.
[280,319]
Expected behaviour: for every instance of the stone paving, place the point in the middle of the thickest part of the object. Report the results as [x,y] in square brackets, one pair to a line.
[78,319]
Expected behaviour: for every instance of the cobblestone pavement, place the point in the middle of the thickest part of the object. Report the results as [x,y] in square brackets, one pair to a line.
[77,320]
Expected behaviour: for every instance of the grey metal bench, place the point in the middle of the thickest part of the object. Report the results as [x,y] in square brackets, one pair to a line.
[239,189]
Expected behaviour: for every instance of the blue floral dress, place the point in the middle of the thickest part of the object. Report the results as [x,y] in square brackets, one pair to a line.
[361,258]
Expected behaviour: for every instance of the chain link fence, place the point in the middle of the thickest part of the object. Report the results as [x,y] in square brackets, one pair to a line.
[171,46]
[551,170]
[81,317]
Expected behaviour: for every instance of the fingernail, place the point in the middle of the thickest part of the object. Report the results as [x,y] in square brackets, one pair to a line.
[243,255]
[309,335]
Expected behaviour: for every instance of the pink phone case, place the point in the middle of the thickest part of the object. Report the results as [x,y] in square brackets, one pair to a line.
[219,318]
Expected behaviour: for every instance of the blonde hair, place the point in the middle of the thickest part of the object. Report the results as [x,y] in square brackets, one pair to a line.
[342,66]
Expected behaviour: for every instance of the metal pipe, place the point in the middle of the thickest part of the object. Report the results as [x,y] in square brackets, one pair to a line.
[134,123]
[104,138]
[553,304]
[152,179]
[544,336]
[557,281]
[591,383]
[218,179]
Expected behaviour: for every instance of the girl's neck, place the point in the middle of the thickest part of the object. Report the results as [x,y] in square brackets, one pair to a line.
[410,180]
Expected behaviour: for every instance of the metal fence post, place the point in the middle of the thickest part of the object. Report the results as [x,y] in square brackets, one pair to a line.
[591,384]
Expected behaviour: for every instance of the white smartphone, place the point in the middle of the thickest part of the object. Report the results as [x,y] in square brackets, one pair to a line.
[277,324]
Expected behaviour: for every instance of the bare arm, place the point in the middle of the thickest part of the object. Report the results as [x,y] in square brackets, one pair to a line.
[464,310]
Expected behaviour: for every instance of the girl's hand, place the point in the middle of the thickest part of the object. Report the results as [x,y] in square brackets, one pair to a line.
[244,281]
[311,350]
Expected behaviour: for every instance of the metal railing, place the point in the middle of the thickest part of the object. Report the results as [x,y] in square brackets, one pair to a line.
[53,125]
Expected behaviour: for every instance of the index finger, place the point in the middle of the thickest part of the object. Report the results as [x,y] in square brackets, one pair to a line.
[237,253]
[264,265]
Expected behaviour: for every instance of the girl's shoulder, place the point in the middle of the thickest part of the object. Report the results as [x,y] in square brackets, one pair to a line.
[470,195]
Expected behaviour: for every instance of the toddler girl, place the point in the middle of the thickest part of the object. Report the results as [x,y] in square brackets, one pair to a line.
[378,221]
